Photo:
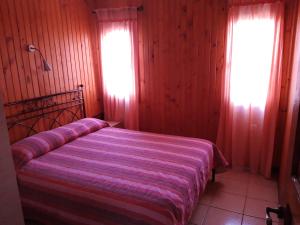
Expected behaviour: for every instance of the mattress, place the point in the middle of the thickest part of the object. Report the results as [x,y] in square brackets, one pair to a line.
[116,176]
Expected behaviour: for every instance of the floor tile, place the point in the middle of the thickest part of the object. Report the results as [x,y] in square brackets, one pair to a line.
[222,217]
[236,198]
[199,214]
[235,175]
[248,220]
[257,208]
[260,180]
[231,186]
[262,192]
[227,201]
[206,197]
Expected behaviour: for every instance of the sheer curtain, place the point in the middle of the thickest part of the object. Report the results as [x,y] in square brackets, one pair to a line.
[251,86]
[119,62]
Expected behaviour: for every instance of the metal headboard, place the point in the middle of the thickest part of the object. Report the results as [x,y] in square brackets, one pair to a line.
[44,113]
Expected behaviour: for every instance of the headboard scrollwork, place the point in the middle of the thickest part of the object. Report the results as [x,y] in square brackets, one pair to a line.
[30,116]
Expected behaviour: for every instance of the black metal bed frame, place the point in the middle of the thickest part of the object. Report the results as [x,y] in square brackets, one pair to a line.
[30,112]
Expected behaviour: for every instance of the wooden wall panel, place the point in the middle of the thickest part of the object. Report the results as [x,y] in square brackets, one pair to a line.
[182,46]
[184,55]
[64,31]
[291,10]
[287,191]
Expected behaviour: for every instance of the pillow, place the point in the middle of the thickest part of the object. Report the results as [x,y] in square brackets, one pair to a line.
[41,143]
[34,146]
[66,133]
[86,126]
[93,124]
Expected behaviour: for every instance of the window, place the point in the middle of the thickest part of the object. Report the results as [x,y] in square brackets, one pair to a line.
[251,63]
[119,62]
[252,82]
[117,65]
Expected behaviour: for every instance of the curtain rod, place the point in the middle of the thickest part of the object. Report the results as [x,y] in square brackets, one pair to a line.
[138,8]
[246,3]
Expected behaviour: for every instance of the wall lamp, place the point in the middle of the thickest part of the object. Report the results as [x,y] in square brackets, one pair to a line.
[32,48]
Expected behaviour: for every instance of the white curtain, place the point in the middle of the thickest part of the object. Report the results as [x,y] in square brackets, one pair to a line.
[119,60]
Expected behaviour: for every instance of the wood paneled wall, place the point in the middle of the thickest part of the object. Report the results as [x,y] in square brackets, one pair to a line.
[182,47]
[287,191]
[64,31]
[291,10]
[183,59]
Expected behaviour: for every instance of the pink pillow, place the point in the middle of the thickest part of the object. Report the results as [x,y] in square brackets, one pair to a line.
[41,143]
[86,126]
[34,146]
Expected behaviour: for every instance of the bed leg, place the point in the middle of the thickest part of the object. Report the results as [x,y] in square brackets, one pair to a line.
[213,175]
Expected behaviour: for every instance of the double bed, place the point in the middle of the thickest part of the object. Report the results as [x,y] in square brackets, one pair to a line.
[88,173]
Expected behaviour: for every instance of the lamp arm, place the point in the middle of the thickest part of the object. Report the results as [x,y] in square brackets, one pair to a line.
[32,48]
[40,53]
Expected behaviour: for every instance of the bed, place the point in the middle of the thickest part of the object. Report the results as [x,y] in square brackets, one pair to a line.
[86,172]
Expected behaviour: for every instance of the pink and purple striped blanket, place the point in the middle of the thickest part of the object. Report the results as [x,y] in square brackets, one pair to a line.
[111,176]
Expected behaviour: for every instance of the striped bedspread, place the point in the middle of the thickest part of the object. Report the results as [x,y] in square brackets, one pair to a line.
[118,177]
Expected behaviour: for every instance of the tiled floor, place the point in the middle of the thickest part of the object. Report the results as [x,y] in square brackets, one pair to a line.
[236,198]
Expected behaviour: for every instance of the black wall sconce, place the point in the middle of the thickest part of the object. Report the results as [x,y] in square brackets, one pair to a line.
[46,65]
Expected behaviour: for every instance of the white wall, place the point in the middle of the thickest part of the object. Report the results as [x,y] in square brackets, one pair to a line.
[10,206]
